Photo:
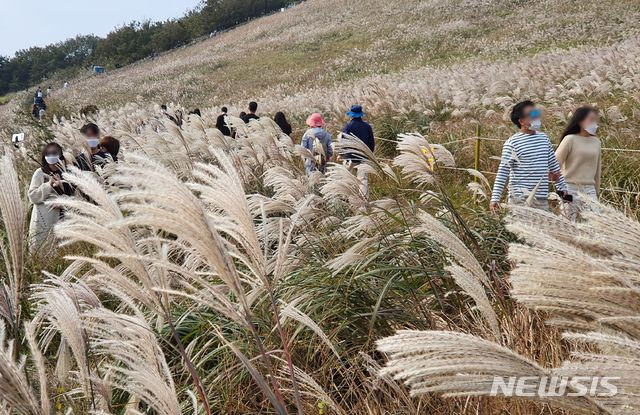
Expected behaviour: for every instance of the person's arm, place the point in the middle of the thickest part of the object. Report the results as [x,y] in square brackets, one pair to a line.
[562,153]
[503,174]
[554,169]
[329,145]
[347,129]
[372,140]
[598,174]
[40,188]
[307,142]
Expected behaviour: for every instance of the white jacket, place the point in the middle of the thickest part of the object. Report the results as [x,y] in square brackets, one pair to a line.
[43,217]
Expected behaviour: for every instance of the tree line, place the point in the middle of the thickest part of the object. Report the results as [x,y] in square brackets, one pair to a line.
[127,44]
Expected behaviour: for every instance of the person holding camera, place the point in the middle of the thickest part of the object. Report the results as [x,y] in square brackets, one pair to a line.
[47,183]
[528,162]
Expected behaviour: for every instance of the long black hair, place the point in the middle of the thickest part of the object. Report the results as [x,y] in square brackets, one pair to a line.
[66,187]
[579,115]
[281,120]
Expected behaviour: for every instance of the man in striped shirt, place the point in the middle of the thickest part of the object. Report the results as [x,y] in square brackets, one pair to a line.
[528,162]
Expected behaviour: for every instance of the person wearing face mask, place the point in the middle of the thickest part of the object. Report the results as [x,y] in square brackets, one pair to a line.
[528,162]
[94,156]
[47,183]
[579,154]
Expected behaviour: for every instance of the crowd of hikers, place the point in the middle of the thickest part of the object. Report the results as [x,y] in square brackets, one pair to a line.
[39,106]
[527,166]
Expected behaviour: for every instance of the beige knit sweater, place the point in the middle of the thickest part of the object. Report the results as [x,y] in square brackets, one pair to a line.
[580,160]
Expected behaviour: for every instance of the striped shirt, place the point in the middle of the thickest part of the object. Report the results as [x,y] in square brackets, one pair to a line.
[526,162]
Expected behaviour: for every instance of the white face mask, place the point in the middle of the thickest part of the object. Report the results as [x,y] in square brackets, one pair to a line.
[52,159]
[591,128]
[93,142]
[535,124]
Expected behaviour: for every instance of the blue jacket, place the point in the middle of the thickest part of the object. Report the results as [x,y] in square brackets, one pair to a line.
[363,131]
[308,140]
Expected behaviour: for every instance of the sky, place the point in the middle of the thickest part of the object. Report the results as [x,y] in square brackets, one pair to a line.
[27,23]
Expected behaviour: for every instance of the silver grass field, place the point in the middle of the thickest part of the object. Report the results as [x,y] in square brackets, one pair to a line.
[204,274]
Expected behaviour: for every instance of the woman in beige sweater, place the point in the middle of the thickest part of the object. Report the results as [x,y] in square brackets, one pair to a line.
[47,183]
[579,153]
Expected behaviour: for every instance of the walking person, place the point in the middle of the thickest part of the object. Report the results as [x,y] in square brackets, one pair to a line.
[41,106]
[579,156]
[318,141]
[221,124]
[528,162]
[362,130]
[281,120]
[47,183]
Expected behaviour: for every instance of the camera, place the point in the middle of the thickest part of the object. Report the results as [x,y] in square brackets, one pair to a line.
[565,196]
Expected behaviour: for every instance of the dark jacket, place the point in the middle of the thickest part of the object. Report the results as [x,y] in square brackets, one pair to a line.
[99,159]
[222,126]
[363,131]
[40,103]
[250,117]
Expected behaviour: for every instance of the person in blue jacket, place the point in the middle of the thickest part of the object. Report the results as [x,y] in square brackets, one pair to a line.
[360,129]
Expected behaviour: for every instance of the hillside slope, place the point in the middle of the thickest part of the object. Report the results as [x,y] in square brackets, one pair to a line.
[327,44]
[273,278]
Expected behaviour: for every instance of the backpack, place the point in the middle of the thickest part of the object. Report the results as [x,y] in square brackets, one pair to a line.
[319,154]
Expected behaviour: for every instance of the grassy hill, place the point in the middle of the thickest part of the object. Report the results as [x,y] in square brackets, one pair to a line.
[329,44]
[451,68]
[214,270]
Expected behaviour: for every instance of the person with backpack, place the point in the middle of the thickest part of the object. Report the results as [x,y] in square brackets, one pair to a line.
[318,141]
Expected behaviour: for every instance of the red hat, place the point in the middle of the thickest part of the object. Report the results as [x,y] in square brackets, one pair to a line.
[315,120]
